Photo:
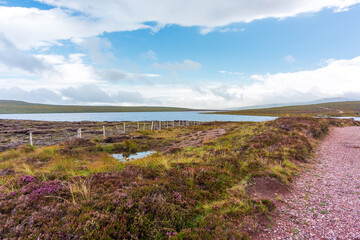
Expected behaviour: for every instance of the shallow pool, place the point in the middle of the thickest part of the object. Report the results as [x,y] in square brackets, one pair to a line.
[135,156]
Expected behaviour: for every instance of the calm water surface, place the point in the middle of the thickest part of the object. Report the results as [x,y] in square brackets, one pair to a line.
[135,156]
[135,116]
[355,118]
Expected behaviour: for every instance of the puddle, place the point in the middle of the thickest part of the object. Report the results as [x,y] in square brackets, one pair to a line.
[135,156]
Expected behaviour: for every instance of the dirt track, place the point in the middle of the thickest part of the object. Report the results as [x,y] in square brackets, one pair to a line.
[325,201]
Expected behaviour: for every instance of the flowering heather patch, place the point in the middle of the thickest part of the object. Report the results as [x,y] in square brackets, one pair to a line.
[29,185]
[26,179]
[22,181]
[171,234]
[42,188]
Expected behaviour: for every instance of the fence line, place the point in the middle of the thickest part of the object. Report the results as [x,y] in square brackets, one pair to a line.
[123,128]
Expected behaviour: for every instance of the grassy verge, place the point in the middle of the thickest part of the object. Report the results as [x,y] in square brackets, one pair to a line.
[77,190]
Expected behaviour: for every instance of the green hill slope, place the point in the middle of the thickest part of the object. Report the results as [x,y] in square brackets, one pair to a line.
[335,109]
[7,107]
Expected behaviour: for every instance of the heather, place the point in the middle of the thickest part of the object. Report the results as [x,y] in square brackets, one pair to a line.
[195,187]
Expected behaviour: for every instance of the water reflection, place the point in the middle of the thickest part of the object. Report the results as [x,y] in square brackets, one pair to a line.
[135,156]
[135,116]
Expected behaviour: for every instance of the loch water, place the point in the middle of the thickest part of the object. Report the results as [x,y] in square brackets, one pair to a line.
[136,116]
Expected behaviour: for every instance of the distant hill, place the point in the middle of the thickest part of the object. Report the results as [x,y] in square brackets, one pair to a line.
[334,109]
[322,100]
[8,107]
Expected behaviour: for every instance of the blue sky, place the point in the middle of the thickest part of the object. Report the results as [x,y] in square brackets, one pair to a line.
[201,54]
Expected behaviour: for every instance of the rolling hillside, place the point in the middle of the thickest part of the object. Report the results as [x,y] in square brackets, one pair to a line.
[334,109]
[9,107]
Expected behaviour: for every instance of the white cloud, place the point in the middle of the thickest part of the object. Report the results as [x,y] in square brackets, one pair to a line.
[116,75]
[56,71]
[13,60]
[93,94]
[225,30]
[40,95]
[73,71]
[29,27]
[150,54]
[339,78]
[32,27]
[231,73]
[335,79]
[289,59]
[83,94]
[70,71]
[97,47]
[258,77]
[206,30]
[225,93]
[176,66]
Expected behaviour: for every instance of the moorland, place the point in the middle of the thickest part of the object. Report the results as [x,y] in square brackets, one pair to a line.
[11,107]
[334,109]
[218,180]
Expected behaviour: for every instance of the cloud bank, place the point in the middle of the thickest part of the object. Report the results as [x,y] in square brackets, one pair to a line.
[32,27]
[71,78]
[338,78]
[83,94]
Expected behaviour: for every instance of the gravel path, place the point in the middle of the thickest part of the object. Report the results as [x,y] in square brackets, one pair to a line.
[325,201]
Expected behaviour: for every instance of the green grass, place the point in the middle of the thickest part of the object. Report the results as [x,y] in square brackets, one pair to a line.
[10,107]
[335,109]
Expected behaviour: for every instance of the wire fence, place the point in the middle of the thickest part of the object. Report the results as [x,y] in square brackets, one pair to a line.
[110,129]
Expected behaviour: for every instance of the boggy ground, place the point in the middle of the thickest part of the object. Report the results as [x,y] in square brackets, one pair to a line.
[14,133]
[206,182]
[325,201]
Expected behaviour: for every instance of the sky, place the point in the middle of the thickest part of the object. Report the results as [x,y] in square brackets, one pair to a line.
[208,54]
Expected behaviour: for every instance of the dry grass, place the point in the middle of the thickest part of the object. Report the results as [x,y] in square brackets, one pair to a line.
[80,189]
[50,160]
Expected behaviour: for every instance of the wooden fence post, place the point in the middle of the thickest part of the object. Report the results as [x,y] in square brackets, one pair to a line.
[79,133]
[31,140]
[124,128]
[104,131]
[152,125]
[138,126]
